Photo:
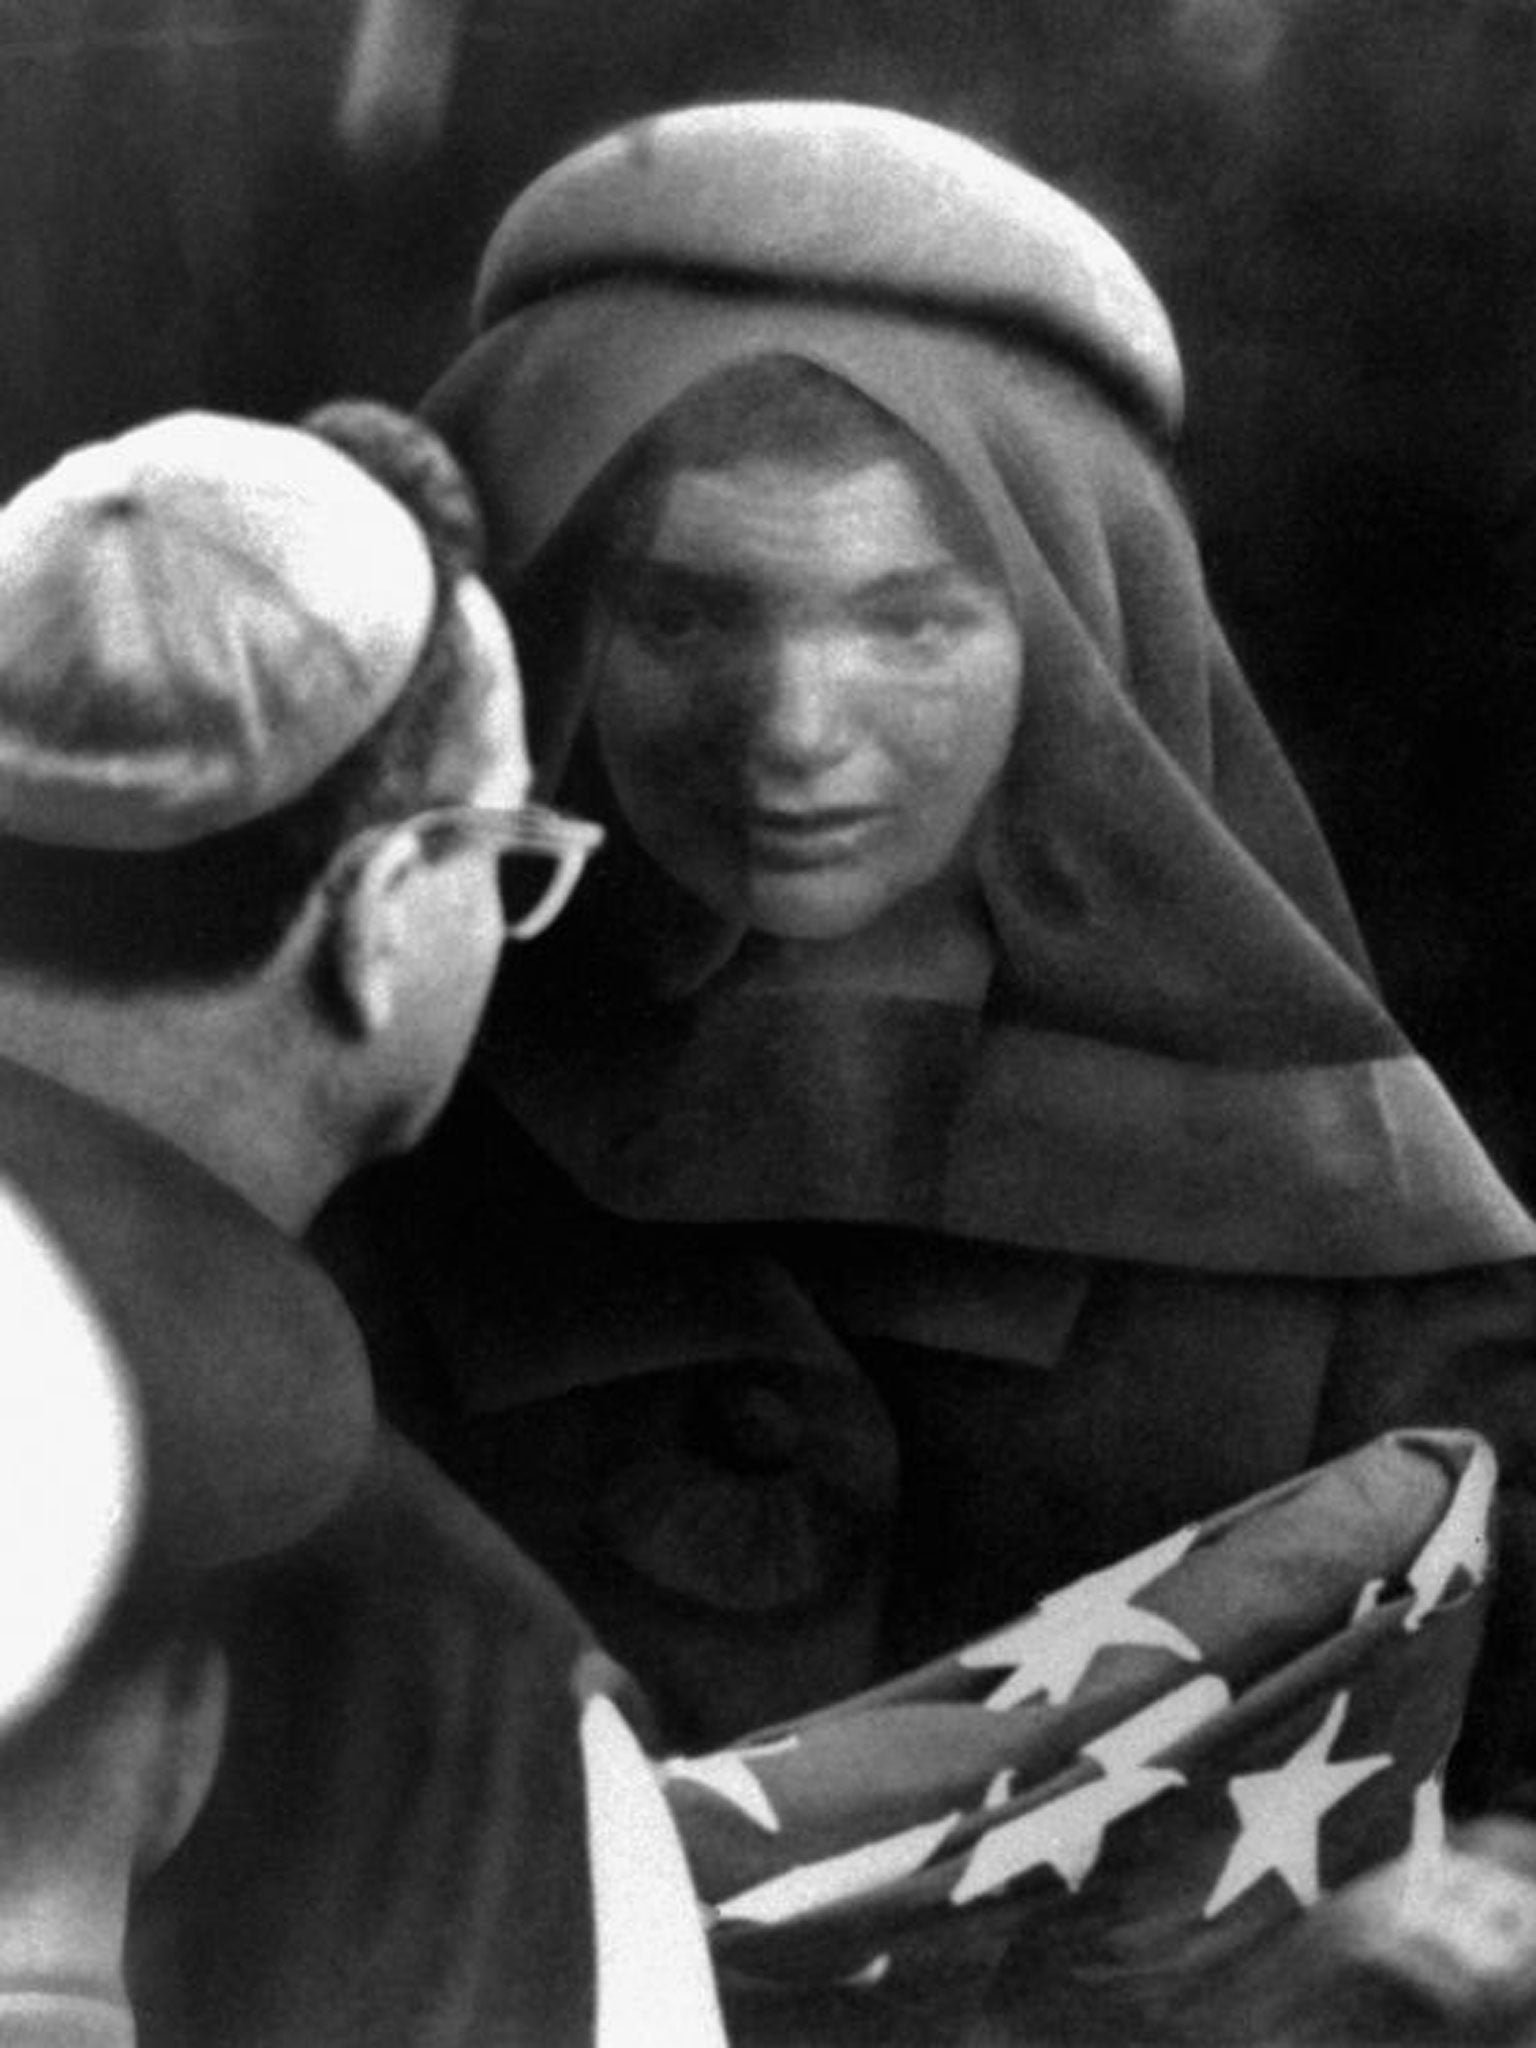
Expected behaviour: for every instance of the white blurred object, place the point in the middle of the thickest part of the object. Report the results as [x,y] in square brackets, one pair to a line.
[655,1988]
[1455,1919]
[69,1463]
[399,75]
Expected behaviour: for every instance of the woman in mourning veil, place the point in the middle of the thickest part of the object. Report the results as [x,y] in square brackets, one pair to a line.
[955,1134]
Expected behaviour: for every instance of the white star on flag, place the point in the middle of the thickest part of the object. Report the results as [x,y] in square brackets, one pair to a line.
[1050,1649]
[1460,1544]
[1280,1814]
[729,1777]
[1067,1834]
[811,1885]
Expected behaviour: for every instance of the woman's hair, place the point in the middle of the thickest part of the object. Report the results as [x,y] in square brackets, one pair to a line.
[217,907]
[775,407]
[782,408]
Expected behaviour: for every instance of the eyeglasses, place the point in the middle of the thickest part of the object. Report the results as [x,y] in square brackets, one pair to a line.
[543,855]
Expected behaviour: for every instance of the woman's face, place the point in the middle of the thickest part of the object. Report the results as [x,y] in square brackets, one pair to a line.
[804,695]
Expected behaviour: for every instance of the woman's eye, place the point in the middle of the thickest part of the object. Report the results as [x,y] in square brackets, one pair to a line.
[671,619]
[921,627]
[676,624]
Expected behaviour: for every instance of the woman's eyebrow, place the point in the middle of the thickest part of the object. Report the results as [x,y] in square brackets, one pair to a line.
[943,577]
[660,569]
[939,578]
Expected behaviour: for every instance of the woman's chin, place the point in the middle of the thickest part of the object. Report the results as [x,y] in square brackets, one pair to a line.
[817,914]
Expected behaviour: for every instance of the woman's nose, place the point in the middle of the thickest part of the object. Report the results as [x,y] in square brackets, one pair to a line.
[802,701]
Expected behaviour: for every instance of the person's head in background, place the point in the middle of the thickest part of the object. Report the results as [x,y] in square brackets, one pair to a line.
[261,756]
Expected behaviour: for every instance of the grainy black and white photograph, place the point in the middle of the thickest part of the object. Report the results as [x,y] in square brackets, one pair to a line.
[767,967]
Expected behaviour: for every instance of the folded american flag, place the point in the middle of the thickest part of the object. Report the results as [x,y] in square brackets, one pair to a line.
[1081,1827]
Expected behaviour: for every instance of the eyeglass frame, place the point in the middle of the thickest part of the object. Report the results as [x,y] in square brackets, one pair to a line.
[529,828]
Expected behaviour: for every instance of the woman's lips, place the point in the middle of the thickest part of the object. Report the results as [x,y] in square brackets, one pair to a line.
[792,836]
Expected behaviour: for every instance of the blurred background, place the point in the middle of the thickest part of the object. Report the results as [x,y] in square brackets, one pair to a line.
[257,203]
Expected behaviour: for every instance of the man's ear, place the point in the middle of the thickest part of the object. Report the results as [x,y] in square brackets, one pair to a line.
[192,1688]
[365,938]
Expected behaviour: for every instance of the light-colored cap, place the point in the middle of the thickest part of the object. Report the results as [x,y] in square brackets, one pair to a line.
[197,619]
[819,195]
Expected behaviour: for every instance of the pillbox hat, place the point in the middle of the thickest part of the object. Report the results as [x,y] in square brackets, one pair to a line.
[830,197]
[197,619]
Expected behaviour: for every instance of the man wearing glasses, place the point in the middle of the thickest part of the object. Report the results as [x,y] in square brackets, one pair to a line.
[337,1766]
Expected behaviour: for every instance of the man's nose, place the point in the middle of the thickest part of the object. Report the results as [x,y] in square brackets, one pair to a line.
[802,701]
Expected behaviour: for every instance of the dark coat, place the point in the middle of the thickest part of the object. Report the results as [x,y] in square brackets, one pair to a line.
[772,1464]
[395,1850]
[394,1853]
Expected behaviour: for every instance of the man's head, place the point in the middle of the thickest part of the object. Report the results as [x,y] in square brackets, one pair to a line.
[239,664]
